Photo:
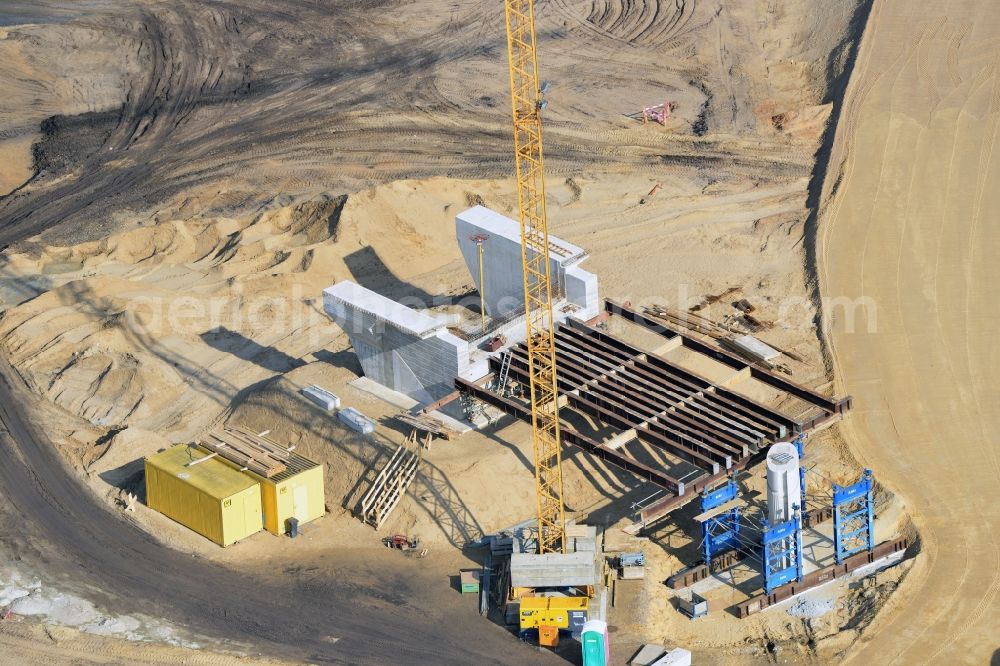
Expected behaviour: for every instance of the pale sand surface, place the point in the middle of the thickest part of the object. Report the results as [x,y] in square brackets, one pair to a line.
[913,226]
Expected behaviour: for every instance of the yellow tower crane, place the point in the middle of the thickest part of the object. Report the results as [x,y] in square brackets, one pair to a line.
[526,102]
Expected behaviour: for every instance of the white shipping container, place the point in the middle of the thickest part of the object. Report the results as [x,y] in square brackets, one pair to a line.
[356,421]
[676,657]
[322,397]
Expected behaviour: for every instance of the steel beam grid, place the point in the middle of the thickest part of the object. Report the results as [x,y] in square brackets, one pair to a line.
[656,379]
[660,367]
[670,408]
[653,412]
[620,379]
[570,436]
[831,406]
[633,367]
[667,409]
[616,413]
[625,412]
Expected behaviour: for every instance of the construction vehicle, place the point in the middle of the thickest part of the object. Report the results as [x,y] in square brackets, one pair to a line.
[527,103]
[401,542]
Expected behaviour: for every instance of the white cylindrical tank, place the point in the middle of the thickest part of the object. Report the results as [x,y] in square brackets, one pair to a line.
[783,490]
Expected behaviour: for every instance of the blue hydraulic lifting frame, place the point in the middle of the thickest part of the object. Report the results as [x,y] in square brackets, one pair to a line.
[720,533]
[853,517]
[781,552]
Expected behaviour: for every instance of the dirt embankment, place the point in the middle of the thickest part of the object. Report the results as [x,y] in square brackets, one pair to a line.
[908,232]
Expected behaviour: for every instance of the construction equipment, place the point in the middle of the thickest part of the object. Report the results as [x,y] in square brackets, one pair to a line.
[410,546]
[526,106]
[401,542]
[657,113]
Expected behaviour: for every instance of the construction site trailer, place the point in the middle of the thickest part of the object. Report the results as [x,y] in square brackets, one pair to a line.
[296,492]
[200,491]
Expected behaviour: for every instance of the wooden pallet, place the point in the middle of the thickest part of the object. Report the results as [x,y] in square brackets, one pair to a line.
[249,450]
[389,486]
[428,423]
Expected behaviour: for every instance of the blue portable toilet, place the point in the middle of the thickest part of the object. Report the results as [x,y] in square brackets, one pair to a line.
[594,640]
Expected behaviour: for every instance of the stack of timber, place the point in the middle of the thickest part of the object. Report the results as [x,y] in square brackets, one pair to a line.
[248,450]
[746,346]
[714,298]
[427,423]
[389,486]
[688,320]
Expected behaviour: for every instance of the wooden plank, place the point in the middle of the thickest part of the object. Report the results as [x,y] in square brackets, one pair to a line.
[238,456]
[241,458]
[389,486]
[396,488]
[380,479]
[262,456]
[427,423]
[722,508]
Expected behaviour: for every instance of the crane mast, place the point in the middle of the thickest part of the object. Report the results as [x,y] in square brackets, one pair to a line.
[526,102]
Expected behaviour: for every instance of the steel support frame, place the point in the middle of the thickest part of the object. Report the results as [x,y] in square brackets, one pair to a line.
[832,406]
[853,517]
[781,553]
[720,533]
[720,563]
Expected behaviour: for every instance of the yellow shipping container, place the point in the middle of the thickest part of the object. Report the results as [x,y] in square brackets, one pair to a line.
[209,497]
[295,493]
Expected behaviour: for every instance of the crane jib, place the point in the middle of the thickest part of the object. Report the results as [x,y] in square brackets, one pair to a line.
[526,105]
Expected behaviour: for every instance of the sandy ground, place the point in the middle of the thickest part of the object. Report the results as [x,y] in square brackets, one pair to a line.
[190,221]
[30,643]
[234,105]
[52,69]
[910,224]
[86,331]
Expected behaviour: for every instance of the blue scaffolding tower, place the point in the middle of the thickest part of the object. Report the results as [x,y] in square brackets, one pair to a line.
[781,552]
[853,517]
[721,532]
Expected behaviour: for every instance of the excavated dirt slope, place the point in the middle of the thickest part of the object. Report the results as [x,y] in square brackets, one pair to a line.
[910,225]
